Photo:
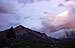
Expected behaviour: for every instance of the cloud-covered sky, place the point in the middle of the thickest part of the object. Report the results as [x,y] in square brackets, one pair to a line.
[35,14]
[62,18]
[25,12]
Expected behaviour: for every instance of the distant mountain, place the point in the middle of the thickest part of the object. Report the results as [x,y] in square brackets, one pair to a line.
[59,31]
[26,38]
[23,33]
[27,33]
[62,33]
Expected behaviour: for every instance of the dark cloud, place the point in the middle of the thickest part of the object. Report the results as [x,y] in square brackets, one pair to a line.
[41,18]
[45,12]
[44,0]
[27,17]
[26,1]
[73,0]
[30,1]
[61,5]
[10,7]
[67,0]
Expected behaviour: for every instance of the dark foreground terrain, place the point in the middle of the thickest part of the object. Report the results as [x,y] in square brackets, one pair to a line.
[22,37]
[13,43]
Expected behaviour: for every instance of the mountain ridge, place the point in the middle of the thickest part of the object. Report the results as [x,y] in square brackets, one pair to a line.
[23,33]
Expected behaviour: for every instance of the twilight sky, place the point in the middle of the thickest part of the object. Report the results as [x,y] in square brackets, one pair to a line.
[36,14]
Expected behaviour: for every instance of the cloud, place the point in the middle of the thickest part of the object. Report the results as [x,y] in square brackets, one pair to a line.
[21,11]
[7,20]
[9,13]
[15,12]
[27,17]
[10,7]
[67,0]
[26,1]
[61,5]
[65,17]
[30,1]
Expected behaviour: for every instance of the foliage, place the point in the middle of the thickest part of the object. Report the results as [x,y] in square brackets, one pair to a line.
[11,33]
[33,44]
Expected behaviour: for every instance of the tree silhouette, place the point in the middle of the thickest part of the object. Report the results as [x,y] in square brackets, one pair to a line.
[11,33]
